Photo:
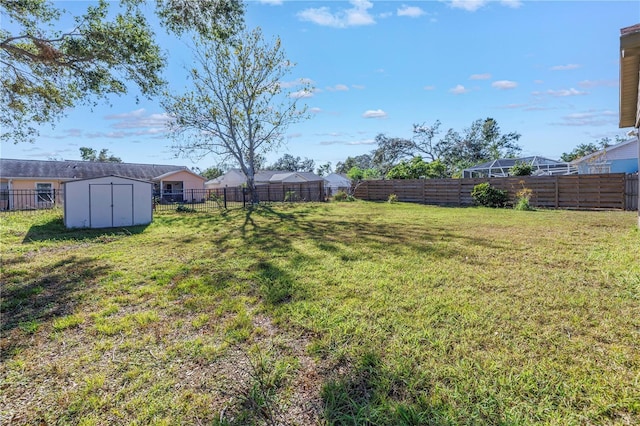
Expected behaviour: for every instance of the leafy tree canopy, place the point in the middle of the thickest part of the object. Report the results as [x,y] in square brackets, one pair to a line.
[481,142]
[211,173]
[51,61]
[293,164]
[324,169]
[417,168]
[90,154]
[356,173]
[589,148]
[363,161]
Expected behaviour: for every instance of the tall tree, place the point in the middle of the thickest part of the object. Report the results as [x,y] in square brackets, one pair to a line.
[47,70]
[589,148]
[390,151]
[482,141]
[324,169]
[236,108]
[417,168]
[293,164]
[90,154]
[424,142]
[363,162]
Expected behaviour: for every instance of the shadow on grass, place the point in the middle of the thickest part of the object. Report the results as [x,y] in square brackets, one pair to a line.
[44,294]
[364,396]
[54,230]
[331,236]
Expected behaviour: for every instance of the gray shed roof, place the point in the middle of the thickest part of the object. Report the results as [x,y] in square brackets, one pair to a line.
[66,170]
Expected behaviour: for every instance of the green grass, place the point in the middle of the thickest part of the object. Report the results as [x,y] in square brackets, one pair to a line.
[340,313]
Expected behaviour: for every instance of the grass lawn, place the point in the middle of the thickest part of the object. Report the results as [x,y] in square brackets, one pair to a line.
[338,313]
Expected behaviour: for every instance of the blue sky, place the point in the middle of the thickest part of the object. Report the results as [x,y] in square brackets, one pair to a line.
[547,70]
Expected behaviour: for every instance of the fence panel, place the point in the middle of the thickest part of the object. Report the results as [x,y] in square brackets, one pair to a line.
[631,192]
[30,199]
[613,191]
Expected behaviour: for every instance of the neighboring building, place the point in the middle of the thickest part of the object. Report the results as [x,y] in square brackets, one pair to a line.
[335,182]
[33,184]
[500,168]
[235,178]
[620,158]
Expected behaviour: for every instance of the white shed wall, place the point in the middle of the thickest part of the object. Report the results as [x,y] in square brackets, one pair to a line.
[105,202]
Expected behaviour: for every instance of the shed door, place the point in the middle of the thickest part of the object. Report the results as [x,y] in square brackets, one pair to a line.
[110,205]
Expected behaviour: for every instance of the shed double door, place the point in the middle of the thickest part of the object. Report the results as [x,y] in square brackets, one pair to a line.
[110,205]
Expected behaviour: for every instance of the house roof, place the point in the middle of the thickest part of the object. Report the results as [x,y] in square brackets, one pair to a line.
[608,149]
[279,175]
[629,76]
[66,170]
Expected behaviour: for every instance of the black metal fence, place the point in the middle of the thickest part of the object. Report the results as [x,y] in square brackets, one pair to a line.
[30,199]
[236,197]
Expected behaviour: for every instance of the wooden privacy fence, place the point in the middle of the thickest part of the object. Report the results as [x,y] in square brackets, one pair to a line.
[612,191]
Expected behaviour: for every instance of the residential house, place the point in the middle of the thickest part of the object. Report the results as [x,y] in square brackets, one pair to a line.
[235,177]
[33,184]
[232,179]
[620,158]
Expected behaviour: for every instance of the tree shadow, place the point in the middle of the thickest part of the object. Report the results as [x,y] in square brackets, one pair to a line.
[54,230]
[332,236]
[54,291]
[362,394]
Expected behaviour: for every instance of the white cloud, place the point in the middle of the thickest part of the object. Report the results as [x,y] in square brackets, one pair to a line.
[301,94]
[139,119]
[375,113]
[590,118]
[565,92]
[598,83]
[315,110]
[272,2]
[504,84]
[468,5]
[459,90]
[565,67]
[410,11]
[363,142]
[356,16]
[358,86]
[538,81]
[338,88]
[513,4]
[485,76]
[429,87]
[297,82]
[473,5]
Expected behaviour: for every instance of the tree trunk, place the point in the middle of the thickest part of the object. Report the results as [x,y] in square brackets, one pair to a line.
[253,193]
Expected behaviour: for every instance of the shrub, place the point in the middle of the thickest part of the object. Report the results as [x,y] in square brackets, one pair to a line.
[184,209]
[521,169]
[393,198]
[290,196]
[486,195]
[523,197]
[343,196]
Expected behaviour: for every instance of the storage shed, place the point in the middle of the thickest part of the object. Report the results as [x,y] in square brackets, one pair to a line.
[106,202]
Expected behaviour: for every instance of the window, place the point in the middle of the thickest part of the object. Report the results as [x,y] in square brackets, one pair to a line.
[44,193]
[600,168]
